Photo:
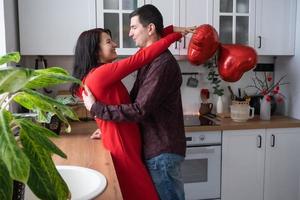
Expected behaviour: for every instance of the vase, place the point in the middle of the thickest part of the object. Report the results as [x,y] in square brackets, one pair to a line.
[265,108]
[220,106]
[255,102]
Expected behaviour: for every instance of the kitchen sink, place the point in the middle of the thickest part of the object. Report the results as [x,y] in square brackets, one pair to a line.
[84,183]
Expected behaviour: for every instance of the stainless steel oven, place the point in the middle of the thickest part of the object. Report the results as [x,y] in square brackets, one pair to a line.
[201,169]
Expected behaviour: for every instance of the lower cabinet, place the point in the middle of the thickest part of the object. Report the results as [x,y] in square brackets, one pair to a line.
[261,164]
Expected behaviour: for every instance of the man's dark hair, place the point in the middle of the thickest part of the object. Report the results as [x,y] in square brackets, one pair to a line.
[149,14]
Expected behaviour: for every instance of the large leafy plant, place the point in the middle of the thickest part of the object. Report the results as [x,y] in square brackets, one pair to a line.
[25,148]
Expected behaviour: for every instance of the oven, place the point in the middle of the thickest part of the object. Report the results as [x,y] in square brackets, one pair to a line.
[201,169]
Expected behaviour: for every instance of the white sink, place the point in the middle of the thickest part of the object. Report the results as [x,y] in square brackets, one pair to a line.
[84,183]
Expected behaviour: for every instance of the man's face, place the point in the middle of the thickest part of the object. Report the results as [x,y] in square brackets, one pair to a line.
[139,34]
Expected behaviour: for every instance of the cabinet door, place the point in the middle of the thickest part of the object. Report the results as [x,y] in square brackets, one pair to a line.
[170,12]
[194,13]
[53,27]
[114,15]
[243,164]
[275,27]
[282,167]
[235,21]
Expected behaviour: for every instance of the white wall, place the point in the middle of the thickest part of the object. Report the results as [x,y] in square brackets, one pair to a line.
[291,66]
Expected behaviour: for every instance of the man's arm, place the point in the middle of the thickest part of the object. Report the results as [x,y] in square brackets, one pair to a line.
[150,95]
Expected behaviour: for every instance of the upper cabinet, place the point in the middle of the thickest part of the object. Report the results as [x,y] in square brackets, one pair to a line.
[114,15]
[184,13]
[235,21]
[275,27]
[52,27]
[266,25]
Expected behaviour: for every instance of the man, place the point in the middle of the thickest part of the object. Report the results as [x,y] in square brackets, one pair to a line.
[156,106]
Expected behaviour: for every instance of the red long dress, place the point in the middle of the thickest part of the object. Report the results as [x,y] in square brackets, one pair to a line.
[123,139]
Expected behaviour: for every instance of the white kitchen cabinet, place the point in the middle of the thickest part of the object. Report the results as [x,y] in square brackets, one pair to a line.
[52,27]
[184,13]
[275,27]
[114,15]
[235,21]
[261,164]
[282,164]
[243,154]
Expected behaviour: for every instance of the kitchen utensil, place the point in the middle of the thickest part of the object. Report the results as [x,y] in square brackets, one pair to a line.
[232,96]
[192,82]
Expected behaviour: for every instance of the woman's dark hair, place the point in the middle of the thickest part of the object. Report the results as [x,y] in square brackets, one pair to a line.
[86,54]
[149,14]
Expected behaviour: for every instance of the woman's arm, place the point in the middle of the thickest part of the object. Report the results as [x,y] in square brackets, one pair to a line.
[176,29]
[109,73]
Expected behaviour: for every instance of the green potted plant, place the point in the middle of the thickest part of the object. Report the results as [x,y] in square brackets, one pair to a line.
[215,81]
[25,148]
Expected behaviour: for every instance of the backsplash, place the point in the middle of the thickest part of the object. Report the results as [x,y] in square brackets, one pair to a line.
[190,96]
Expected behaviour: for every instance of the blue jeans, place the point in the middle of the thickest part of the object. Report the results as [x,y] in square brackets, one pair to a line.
[166,175]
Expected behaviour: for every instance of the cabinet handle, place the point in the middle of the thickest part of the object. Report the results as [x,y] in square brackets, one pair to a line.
[184,41]
[272,140]
[259,138]
[259,44]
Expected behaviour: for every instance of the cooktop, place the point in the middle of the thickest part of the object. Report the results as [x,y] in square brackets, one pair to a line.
[201,120]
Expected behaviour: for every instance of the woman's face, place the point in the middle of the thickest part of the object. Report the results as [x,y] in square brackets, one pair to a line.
[107,51]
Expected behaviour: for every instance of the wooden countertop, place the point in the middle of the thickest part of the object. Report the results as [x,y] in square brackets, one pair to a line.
[82,151]
[85,152]
[255,123]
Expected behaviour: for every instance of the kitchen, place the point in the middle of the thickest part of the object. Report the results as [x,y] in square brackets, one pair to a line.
[264,19]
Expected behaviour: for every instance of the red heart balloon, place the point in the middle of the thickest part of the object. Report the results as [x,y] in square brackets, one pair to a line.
[234,60]
[203,45]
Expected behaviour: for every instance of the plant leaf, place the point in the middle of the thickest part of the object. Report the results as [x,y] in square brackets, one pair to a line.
[13,79]
[34,101]
[39,135]
[50,77]
[11,57]
[42,170]
[16,161]
[6,189]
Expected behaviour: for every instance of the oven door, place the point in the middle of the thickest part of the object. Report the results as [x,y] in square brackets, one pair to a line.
[201,172]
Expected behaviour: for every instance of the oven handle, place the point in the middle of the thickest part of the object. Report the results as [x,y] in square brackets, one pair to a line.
[200,150]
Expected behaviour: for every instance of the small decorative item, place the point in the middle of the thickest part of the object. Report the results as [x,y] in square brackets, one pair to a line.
[220,107]
[268,90]
[205,107]
[265,108]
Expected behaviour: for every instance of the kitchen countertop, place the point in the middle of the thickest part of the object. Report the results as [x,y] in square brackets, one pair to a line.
[85,152]
[255,123]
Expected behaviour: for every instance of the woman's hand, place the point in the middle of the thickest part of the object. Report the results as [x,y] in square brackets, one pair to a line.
[88,98]
[184,30]
[96,135]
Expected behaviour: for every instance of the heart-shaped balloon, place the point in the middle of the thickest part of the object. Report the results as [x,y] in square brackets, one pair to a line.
[234,60]
[203,44]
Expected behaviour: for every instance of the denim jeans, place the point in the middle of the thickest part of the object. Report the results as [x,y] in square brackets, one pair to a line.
[166,175]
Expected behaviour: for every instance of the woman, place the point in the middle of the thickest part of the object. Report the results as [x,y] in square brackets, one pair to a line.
[94,56]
